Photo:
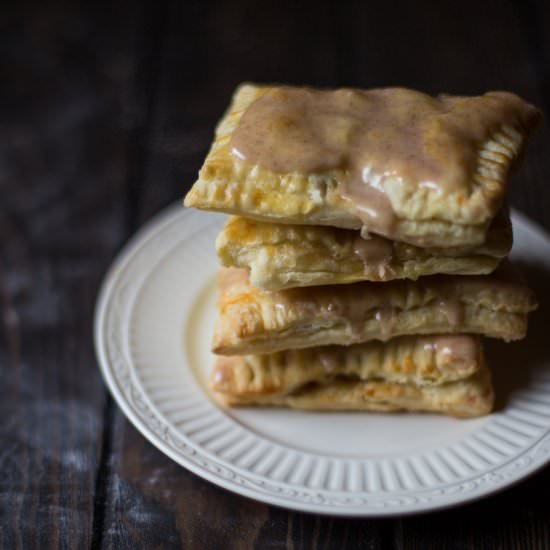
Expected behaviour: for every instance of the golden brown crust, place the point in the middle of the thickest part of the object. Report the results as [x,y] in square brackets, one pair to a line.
[281,256]
[227,184]
[466,398]
[422,361]
[254,321]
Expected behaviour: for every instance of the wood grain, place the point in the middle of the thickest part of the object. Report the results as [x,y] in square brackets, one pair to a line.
[66,109]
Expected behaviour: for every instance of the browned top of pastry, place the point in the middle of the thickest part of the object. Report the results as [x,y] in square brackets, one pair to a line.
[408,137]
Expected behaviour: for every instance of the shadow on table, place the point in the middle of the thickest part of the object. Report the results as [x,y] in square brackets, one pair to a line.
[513,365]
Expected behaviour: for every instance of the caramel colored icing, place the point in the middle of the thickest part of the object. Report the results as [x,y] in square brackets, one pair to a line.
[375,252]
[416,140]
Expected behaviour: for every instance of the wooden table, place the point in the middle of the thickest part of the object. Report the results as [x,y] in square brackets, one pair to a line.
[107,114]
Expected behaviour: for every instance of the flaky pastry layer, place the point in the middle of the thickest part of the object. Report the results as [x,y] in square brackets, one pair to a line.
[281,256]
[465,398]
[417,360]
[228,184]
[253,321]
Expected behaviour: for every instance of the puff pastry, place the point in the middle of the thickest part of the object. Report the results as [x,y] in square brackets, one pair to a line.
[467,397]
[423,216]
[419,360]
[281,256]
[253,321]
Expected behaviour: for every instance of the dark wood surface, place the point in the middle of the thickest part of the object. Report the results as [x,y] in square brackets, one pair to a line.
[107,112]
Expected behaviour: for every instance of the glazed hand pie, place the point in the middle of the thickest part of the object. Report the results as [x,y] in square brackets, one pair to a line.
[419,360]
[430,171]
[363,257]
[281,256]
[408,373]
[253,321]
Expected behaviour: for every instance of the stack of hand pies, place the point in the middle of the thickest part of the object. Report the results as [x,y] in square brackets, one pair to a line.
[366,254]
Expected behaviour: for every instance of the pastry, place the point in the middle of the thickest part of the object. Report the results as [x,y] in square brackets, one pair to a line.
[281,256]
[254,321]
[430,171]
[466,397]
[419,360]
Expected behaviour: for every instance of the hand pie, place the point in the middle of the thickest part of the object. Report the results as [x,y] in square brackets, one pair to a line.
[281,256]
[419,360]
[430,171]
[253,321]
[374,377]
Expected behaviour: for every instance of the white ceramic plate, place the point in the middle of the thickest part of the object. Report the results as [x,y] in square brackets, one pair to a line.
[154,320]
